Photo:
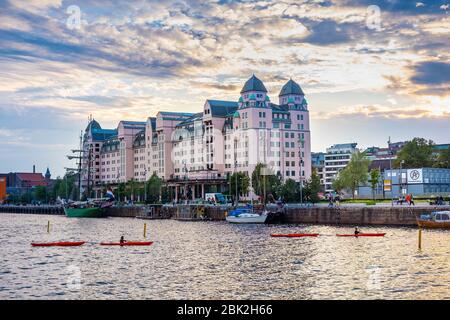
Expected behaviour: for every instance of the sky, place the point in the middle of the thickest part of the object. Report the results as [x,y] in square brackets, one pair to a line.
[370,69]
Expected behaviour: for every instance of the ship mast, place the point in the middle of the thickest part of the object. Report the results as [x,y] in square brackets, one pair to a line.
[79,157]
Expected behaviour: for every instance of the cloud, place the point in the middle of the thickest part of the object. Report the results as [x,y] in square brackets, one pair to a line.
[431,72]
[385,112]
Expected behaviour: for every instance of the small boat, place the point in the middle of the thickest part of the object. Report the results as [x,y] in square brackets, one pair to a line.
[127,243]
[294,235]
[246,215]
[362,235]
[433,220]
[59,244]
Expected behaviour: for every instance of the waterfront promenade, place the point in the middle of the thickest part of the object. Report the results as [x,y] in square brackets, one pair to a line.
[344,214]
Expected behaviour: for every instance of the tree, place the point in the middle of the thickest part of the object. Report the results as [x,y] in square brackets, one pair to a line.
[241,181]
[417,153]
[262,176]
[40,193]
[355,173]
[338,183]
[312,187]
[154,185]
[374,180]
[443,160]
[121,191]
[290,191]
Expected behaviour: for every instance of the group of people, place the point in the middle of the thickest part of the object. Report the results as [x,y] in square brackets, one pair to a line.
[333,200]
[408,199]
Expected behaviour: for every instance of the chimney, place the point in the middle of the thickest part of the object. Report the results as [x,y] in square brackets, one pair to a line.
[34,168]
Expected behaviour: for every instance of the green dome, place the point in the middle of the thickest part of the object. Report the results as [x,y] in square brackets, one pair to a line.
[236,114]
[267,98]
[253,84]
[241,100]
[291,87]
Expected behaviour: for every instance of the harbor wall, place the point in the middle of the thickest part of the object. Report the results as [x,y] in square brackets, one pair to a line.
[345,215]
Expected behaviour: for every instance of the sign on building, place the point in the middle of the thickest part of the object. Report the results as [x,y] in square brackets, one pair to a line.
[415,176]
[387,185]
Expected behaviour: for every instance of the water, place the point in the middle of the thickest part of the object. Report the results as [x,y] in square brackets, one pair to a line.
[216,260]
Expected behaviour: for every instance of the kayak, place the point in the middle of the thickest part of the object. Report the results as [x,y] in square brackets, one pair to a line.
[362,235]
[294,235]
[128,243]
[59,244]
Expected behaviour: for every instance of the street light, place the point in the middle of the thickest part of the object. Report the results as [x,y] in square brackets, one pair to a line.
[301,141]
[145,184]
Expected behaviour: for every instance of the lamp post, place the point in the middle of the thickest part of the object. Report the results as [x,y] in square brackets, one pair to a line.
[145,184]
[235,170]
[390,172]
[401,177]
[301,141]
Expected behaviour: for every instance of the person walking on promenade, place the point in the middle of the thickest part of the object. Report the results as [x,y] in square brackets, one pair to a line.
[408,199]
[411,200]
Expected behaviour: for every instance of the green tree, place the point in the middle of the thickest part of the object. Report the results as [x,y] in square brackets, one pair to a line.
[312,187]
[417,153]
[338,183]
[355,173]
[263,176]
[240,181]
[121,191]
[443,160]
[154,188]
[374,180]
[40,193]
[290,191]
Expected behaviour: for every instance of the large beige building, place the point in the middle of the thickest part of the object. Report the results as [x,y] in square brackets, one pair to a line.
[195,152]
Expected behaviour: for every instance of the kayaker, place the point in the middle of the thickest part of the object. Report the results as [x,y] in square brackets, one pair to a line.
[122,240]
[357,231]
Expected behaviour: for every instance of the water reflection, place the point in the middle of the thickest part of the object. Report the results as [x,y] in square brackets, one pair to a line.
[215,260]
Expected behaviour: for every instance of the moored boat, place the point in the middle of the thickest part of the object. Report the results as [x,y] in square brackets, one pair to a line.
[246,215]
[79,212]
[435,220]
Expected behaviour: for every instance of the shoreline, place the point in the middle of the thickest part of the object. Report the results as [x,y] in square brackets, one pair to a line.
[315,215]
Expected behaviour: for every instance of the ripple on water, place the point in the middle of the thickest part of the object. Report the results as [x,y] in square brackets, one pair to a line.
[215,260]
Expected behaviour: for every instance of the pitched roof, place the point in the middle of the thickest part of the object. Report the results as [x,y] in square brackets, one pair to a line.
[220,108]
[103,134]
[291,87]
[31,179]
[253,84]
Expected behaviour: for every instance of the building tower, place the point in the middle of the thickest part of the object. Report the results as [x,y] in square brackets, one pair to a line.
[292,98]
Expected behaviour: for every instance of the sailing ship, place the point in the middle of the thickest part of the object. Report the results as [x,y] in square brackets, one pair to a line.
[91,208]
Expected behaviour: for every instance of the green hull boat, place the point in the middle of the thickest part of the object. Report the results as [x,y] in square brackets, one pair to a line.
[95,212]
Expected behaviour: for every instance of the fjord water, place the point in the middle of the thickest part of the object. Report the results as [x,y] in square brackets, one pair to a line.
[216,260]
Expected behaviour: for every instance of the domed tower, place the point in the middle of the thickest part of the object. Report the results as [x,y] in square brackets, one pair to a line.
[292,95]
[292,99]
[254,94]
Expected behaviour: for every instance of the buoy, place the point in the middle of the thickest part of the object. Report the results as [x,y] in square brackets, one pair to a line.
[48,226]
[145,230]
[420,238]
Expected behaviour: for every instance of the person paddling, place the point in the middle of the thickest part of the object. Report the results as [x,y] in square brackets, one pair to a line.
[122,240]
[357,231]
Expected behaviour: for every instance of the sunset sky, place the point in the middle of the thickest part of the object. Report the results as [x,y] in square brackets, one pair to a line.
[366,77]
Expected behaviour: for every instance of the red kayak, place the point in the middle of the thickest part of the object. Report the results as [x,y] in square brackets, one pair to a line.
[362,235]
[127,243]
[294,235]
[59,244]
